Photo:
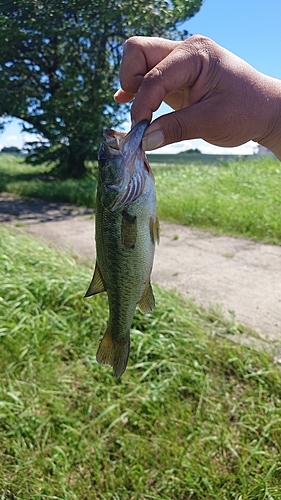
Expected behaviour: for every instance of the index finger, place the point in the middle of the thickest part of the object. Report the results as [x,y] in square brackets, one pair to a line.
[140,55]
[179,70]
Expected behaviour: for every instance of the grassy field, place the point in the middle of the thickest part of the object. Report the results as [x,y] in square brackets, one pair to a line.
[184,158]
[237,197]
[195,417]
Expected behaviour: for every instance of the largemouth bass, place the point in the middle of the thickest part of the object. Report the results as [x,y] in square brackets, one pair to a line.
[127,229]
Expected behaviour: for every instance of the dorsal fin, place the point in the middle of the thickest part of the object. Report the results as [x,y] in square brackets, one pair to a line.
[147,302]
[97,284]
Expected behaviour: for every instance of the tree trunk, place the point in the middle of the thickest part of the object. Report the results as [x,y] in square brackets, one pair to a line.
[75,165]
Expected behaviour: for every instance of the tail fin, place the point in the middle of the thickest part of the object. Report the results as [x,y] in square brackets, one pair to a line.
[114,353]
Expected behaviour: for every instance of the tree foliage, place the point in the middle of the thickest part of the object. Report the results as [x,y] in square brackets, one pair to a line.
[59,65]
[10,150]
[190,152]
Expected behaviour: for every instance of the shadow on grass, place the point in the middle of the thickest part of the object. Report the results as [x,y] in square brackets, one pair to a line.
[42,185]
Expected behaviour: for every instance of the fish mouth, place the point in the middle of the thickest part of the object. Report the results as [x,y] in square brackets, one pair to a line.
[128,148]
[131,143]
[125,144]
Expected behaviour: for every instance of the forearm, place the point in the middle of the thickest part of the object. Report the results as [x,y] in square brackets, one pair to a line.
[271,137]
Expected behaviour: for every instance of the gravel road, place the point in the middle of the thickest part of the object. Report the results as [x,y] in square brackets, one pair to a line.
[239,275]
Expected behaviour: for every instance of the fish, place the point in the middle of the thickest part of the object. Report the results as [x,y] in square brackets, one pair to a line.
[126,231]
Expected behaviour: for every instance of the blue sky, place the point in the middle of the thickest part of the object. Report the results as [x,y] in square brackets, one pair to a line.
[249,28]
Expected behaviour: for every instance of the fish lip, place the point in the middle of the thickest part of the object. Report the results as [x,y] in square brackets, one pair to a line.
[128,144]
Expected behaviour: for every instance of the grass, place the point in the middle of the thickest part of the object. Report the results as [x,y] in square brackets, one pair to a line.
[236,197]
[184,158]
[239,198]
[194,417]
[26,180]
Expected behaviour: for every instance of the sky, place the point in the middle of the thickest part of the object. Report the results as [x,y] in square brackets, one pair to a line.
[249,28]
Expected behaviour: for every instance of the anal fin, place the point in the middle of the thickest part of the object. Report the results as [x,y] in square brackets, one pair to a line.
[147,302]
[97,284]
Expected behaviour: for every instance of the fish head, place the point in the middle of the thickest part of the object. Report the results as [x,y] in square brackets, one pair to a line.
[122,166]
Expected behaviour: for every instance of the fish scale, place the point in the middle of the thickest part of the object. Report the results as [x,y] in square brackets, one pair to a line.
[127,229]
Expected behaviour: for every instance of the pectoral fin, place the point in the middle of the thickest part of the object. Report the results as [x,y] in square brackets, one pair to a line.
[129,230]
[96,285]
[147,302]
[154,230]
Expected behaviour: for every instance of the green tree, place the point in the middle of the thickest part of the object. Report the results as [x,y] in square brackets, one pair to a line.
[11,150]
[59,65]
[190,151]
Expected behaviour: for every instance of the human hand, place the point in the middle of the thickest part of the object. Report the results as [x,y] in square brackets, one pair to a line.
[216,95]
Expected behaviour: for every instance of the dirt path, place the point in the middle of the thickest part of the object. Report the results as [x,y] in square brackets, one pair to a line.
[237,274]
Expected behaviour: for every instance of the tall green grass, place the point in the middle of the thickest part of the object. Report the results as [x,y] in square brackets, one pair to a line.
[241,197]
[238,197]
[193,417]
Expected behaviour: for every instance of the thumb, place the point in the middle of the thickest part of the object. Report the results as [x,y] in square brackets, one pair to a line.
[200,120]
[187,123]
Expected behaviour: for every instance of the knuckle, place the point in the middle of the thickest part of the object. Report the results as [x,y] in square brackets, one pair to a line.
[200,43]
[132,42]
[155,72]
[177,129]
[199,39]
[153,85]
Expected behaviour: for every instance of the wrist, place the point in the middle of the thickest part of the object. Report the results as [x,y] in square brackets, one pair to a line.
[273,143]
[271,137]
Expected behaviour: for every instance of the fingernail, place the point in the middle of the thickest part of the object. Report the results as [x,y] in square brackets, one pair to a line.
[153,140]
